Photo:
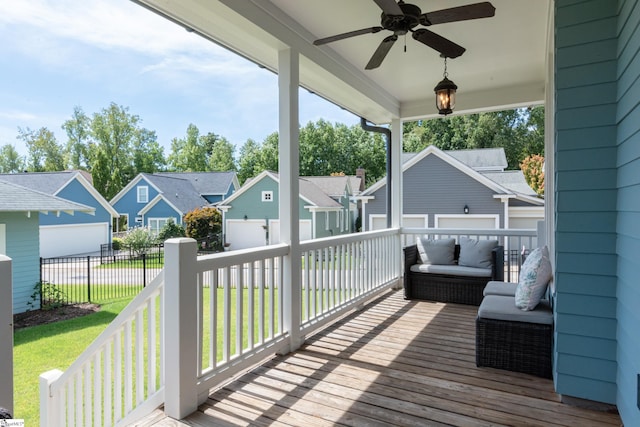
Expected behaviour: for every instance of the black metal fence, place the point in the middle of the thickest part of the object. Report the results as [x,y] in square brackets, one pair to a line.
[95,279]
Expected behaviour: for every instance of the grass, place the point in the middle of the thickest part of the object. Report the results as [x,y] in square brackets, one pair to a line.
[54,346]
[152,261]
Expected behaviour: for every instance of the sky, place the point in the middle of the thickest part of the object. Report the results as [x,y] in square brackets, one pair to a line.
[56,55]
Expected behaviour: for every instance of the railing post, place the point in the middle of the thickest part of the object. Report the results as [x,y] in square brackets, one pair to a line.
[49,405]
[181,327]
[6,333]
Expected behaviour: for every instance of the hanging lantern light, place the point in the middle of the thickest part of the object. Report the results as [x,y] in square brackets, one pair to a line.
[445,93]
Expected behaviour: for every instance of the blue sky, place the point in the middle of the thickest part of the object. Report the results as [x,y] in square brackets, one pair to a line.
[58,54]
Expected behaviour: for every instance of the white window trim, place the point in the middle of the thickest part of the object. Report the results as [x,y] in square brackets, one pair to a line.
[326,220]
[146,194]
[3,239]
[267,196]
[158,219]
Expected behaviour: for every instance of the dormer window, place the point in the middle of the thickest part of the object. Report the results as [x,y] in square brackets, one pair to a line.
[267,196]
[143,194]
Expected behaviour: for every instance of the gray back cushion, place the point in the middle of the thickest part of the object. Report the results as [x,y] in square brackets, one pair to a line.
[436,251]
[476,253]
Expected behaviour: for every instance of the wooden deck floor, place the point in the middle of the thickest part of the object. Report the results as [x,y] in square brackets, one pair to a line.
[395,363]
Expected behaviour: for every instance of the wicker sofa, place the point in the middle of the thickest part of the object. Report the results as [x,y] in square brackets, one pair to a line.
[450,287]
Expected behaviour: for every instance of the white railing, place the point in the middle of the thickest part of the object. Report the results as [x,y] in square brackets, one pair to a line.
[517,243]
[205,319]
[119,377]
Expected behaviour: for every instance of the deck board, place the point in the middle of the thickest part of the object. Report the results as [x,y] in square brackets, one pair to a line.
[396,362]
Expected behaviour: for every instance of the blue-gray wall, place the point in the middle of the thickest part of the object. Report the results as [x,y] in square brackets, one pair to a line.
[598,202]
[432,186]
[75,192]
[628,207]
[23,247]
[128,203]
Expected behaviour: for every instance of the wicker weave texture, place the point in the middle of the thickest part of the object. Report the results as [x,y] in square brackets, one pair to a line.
[445,288]
[514,346]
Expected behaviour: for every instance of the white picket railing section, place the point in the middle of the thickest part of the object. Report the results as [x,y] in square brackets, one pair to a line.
[201,322]
[119,376]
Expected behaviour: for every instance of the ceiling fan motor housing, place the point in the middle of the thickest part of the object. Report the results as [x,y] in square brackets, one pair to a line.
[402,24]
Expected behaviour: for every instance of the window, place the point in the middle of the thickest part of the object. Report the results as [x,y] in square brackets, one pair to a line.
[143,194]
[267,196]
[156,224]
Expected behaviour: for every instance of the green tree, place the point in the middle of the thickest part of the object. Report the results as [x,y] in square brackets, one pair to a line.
[204,223]
[188,154]
[10,160]
[44,152]
[114,131]
[248,160]
[78,129]
[268,159]
[148,155]
[221,156]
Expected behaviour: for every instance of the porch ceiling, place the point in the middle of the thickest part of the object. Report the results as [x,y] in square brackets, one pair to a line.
[504,65]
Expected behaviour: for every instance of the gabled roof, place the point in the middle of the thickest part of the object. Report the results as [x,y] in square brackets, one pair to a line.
[335,186]
[483,178]
[16,198]
[178,192]
[482,159]
[309,192]
[53,183]
[513,180]
[207,183]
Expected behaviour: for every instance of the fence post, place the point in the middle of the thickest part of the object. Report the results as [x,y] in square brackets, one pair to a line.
[40,282]
[89,278]
[49,410]
[144,270]
[181,339]
[6,333]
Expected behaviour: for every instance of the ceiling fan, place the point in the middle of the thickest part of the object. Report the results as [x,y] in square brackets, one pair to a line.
[401,18]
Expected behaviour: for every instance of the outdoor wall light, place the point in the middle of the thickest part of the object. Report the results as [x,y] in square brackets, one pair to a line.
[246,217]
[466,209]
[445,93]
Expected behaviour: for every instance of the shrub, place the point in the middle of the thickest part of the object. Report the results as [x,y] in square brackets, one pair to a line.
[117,244]
[49,294]
[203,222]
[170,230]
[139,240]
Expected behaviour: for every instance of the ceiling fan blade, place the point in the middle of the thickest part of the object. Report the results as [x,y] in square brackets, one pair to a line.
[381,52]
[390,7]
[347,35]
[462,13]
[445,46]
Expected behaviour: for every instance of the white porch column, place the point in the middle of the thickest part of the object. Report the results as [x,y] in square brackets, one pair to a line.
[181,327]
[396,173]
[288,128]
[6,334]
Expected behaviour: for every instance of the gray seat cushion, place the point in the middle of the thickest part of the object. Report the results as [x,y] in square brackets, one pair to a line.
[504,308]
[506,289]
[454,270]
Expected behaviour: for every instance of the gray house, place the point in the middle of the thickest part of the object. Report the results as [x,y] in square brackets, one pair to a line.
[457,189]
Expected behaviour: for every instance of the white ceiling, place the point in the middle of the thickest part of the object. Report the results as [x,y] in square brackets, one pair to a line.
[503,66]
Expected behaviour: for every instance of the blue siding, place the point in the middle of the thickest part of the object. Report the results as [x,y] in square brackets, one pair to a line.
[76,192]
[586,167]
[23,247]
[162,210]
[628,220]
[128,203]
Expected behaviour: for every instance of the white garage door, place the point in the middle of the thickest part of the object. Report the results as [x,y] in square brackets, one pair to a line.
[243,234]
[379,222]
[274,231]
[467,221]
[65,240]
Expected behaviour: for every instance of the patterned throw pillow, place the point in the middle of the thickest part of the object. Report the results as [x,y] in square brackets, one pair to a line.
[535,275]
[436,251]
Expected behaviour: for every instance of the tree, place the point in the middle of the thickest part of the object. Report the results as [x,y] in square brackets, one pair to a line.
[188,154]
[248,160]
[10,160]
[114,130]
[148,155]
[139,240]
[532,168]
[78,129]
[221,156]
[45,154]
[205,223]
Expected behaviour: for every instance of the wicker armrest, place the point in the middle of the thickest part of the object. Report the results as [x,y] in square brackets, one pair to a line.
[497,265]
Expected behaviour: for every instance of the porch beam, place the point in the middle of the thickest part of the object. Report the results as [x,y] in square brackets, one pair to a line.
[289,194]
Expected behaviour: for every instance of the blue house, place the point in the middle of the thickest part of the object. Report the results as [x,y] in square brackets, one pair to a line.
[20,212]
[149,200]
[62,235]
[251,218]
